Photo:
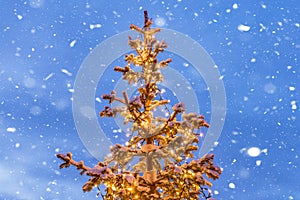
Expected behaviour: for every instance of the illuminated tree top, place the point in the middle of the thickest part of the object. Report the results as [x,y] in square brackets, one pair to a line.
[163,144]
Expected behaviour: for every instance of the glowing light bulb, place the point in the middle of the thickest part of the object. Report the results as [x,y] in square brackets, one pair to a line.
[113,188]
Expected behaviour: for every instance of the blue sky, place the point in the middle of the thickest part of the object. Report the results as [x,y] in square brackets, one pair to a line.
[256,46]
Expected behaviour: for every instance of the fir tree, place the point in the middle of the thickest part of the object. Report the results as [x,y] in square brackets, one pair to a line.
[164,145]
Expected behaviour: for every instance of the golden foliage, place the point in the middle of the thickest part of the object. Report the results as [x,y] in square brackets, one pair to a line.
[160,143]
